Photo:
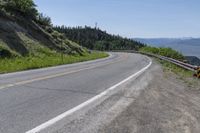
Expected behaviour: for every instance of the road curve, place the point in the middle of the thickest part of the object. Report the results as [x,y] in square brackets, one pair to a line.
[30,98]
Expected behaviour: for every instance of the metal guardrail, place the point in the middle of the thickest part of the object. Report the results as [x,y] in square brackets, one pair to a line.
[176,62]
[171,60]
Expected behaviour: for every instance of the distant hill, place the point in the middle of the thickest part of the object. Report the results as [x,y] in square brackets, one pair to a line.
[94,38]
[159,41]
[187,46]
[170,41]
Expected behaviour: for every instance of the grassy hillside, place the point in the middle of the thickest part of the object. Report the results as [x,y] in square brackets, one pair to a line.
[28,40]
[94,38]
[21,37]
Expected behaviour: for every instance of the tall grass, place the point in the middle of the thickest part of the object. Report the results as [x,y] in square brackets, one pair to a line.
[44,60]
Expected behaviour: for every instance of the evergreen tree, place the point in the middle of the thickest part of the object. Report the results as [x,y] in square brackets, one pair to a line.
[24,8]
[94,38]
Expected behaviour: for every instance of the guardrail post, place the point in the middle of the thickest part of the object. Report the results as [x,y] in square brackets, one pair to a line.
[198,72]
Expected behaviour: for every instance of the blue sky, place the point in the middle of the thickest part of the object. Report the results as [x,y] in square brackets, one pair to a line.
[129,18]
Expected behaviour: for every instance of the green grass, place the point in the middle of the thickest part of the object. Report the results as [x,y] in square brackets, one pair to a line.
[185,75]
[168,52]
[44,60]
[176,69]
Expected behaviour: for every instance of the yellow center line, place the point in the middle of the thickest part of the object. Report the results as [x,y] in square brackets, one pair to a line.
[57,75]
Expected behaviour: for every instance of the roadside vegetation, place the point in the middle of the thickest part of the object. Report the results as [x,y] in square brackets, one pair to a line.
[169,68]
[47,59]
[168,52]
[180,73]
[28,40]
[176,69]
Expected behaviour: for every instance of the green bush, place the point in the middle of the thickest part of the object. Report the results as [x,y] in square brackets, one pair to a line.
[168,52]
[6,53]
[44,20]
[55,34]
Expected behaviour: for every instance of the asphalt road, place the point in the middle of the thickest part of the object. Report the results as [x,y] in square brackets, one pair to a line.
[30,98]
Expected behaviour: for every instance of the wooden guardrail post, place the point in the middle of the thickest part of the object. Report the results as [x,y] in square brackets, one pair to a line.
[197,74]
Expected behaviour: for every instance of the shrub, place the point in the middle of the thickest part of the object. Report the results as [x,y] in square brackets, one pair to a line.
[55,34]
[168,52]
[6,53]
[49,29]
[25,8]
[44,20]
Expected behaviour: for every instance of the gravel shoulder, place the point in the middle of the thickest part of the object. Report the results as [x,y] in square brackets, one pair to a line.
[166,105]
[155,102]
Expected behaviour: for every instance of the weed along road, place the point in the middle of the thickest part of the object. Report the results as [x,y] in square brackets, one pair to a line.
[35,100]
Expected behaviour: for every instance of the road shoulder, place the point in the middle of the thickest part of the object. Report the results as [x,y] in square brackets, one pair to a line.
[153,102]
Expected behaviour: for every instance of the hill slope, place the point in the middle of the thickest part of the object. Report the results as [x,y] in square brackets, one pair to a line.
[94,38]
[28,40]
[20,37]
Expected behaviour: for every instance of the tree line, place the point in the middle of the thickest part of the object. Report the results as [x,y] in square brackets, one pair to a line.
[91,38]
[25,8]
[96,39]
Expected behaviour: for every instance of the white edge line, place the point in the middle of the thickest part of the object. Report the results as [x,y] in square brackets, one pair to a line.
[71,111]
